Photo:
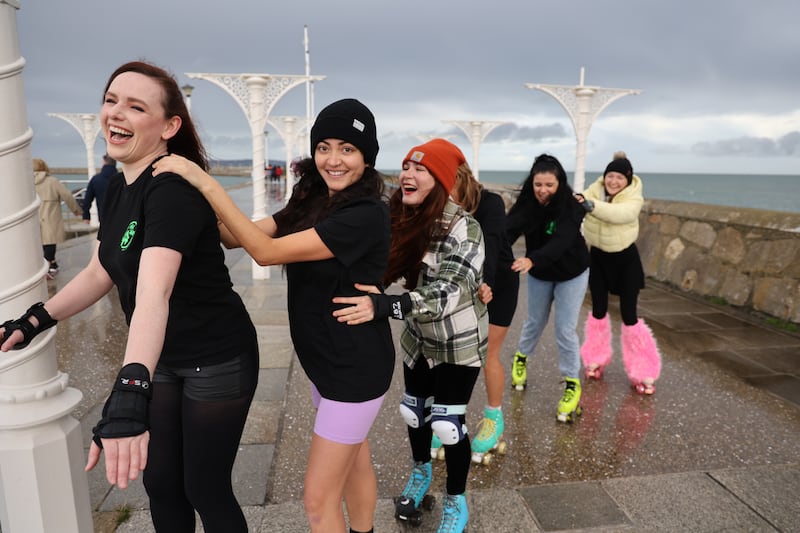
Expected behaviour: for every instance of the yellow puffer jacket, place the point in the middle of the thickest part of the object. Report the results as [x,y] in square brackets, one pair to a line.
[613,226]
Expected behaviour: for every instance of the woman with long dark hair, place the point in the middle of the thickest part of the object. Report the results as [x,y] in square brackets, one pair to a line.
[557,263]
[190,367]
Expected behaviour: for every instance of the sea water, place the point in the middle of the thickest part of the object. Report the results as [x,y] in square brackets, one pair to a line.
[770,192]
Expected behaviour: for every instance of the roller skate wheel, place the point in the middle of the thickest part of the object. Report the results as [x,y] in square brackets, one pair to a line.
[487,459]
[428,502]
[415,519]
[502,447]
[440,453]
[645,389]
[434,453]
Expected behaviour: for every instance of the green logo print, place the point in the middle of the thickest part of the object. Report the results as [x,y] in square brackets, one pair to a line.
[127,238]
[550,228]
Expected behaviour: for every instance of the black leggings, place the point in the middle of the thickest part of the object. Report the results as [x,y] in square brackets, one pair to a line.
[450,385]
[192,449]
[627,301]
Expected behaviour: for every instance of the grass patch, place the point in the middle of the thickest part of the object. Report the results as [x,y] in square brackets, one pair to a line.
[123,514]
[785,325]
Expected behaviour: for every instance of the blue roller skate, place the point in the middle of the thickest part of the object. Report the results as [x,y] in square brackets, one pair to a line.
[414,498]
[454,514]
[489,437]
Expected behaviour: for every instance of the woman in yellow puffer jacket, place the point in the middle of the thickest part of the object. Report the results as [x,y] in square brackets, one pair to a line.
[611,227]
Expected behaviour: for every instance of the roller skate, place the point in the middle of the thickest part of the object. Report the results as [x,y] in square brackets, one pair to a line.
[569,406]
[596,349]
[408,506]
[641,357]
[454,514]
[437,450]
[489,437]
[519,374]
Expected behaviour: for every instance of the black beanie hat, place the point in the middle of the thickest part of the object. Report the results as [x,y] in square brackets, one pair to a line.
[348,120]
[622,165]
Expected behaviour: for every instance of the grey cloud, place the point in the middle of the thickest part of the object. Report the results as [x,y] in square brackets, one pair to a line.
[787,145]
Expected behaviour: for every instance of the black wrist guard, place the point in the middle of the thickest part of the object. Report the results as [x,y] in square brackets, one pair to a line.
[126,412]
[29,331]
[391,305]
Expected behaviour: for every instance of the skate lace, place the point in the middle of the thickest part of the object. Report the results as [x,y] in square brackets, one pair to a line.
[569,393]
[449,514]
[488,427]
[416,484]
[519,366]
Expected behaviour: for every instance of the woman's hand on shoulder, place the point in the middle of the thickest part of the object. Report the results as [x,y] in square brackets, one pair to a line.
[188,170]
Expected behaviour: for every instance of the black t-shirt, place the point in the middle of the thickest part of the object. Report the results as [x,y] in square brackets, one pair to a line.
[207,322]
[345,363]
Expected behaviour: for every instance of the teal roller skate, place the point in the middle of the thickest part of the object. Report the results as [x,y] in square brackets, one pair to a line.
[414,498]
[519,374]
[569,406]
[454,514]
[489,437]
[437,450]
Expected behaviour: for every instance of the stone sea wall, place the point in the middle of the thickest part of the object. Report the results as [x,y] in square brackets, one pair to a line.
[747,258]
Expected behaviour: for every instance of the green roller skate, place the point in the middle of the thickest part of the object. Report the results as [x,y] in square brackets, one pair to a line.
[569,406]
[519,374]
[437,450]
[408,506]
[489,437]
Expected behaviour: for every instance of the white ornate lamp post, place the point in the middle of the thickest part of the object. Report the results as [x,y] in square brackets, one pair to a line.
[293,133]
[583,104]
[88,126]
[256,94]
[42,484]
[187,96]
[476,131]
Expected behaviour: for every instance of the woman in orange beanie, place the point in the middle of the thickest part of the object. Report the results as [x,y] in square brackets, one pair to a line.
[437,249]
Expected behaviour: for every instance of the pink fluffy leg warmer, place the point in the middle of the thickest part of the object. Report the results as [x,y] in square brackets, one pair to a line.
[596,348]
[640,353]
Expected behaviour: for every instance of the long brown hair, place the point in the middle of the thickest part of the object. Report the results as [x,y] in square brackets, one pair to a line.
[467,190]
[413,229]
[186,141]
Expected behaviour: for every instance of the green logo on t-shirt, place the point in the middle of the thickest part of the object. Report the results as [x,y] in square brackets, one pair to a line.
[550,228]
[127,238]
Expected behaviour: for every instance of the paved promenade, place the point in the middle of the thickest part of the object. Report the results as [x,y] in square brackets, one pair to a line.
[717,448]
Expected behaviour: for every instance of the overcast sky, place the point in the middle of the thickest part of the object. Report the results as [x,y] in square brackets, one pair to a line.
[719,80]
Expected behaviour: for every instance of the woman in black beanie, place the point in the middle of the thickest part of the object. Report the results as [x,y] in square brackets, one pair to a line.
[333,233]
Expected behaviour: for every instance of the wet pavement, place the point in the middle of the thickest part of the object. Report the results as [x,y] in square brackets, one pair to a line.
[715,449]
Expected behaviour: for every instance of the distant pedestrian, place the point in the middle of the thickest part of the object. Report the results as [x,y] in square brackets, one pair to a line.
[557,263]
[51,193]
[278,173]
[613,203]
[96,189]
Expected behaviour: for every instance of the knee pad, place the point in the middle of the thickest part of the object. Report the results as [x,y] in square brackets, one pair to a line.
[448,422]
[415,410]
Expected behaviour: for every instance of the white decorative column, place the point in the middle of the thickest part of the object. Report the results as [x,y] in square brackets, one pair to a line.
[293,131]
[476,131]
[43,487]
[256,94]
[583,104]
[88,126]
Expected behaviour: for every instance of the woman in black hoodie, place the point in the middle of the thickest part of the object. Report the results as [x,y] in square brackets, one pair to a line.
[557,261]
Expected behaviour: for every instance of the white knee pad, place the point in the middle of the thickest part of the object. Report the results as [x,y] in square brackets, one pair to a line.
[447,422]
[415,410]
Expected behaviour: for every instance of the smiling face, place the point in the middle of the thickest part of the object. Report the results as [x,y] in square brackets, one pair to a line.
[133,120]
[416,182]
[339,163]
[614,182]
[545,185]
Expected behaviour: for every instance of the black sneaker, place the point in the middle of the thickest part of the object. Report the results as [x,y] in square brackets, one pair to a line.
[53,270]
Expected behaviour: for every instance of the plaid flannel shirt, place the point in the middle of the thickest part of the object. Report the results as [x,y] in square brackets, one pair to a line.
[448,323]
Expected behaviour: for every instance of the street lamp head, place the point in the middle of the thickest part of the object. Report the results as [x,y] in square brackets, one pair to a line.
[187,90]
